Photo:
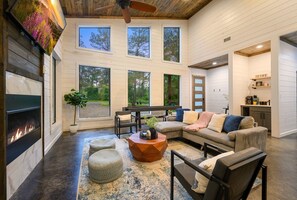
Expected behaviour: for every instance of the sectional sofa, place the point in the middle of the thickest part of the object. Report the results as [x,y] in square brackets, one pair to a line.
[246,136]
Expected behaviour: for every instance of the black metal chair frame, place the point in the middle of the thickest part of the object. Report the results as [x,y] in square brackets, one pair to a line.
[225,187]
[118,124]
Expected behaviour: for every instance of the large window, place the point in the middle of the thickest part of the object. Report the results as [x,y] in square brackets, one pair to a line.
[172,44]
[96,38]
[138,88]
[94,82]
[139,41]
[171,90]
[54,90]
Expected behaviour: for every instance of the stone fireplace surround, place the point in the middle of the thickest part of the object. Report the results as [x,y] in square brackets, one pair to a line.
[23,165]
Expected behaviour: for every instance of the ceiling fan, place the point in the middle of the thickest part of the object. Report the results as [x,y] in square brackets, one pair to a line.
[126,4]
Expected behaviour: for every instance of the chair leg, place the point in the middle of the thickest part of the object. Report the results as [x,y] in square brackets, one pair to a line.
[264,182]
[172,177]
[130,129]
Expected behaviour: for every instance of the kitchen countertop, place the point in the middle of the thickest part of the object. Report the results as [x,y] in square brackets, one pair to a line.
[250,105]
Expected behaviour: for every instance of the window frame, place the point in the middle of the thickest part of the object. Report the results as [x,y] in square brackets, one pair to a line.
[180,44]
[150,43]
[53,90]
[150,86]
[179,87]
[94,50]
[110,94]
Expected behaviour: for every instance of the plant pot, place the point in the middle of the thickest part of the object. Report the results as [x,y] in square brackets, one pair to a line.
[73,128]
[154,134]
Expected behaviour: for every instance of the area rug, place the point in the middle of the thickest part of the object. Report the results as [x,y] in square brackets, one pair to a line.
[140,180]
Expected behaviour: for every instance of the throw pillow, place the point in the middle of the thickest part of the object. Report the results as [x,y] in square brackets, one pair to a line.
[180,113]
[232,123]
[190,117]
[204,119]
[247,122]
[217,122]
[208,165]
[125,117]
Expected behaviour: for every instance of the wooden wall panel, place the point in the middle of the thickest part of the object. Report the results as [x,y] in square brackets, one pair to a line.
[2,109]
[24,58]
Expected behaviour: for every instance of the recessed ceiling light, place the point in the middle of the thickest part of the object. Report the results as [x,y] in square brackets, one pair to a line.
[214,63]
[259,46]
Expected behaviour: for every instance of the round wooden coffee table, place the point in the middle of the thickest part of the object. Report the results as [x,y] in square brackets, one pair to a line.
[147,150]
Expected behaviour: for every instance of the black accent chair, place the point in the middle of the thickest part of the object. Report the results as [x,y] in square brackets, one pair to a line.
[118,123]
[232,178]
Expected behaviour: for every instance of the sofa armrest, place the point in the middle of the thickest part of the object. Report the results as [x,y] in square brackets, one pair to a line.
[251,137]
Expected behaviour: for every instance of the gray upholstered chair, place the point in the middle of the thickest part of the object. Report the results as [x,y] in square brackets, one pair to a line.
[120,122]
[232,178]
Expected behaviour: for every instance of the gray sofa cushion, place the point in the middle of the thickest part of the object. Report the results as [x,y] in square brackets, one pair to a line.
[169,126]
[221,138]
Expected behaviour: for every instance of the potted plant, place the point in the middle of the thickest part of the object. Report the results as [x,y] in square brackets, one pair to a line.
[75,98]
[151,124]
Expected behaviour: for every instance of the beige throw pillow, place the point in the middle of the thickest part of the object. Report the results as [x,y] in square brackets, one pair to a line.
[125,117]
[217,122]
[247,122]
[190,117]
[208,165]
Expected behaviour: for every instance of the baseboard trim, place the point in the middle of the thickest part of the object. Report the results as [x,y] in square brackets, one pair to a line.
[288,133]
[52,142]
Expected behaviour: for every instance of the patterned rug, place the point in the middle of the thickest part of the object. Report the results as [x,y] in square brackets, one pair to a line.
[140,180]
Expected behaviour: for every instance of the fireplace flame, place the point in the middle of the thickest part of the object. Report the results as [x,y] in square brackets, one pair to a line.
[20,133]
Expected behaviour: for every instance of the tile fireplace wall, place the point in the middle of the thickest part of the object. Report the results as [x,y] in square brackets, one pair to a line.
[22,166]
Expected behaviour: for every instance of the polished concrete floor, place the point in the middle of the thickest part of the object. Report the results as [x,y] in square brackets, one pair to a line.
[56,176]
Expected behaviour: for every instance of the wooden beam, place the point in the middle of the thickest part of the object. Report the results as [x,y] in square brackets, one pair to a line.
[121,17]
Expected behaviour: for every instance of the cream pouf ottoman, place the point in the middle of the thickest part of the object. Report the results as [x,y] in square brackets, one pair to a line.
[99,144]
[105,166]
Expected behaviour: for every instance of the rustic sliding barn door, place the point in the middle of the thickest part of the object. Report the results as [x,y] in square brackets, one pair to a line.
[198,93]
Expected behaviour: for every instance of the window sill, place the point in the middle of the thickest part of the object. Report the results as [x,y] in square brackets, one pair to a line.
[172,62]
[95,119]
[94,50]
[139,57]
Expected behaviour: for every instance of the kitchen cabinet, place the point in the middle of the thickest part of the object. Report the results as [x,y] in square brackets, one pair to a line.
[261,114]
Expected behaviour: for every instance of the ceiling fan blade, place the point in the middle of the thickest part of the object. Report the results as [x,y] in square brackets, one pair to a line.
[105,7]
[126,15]
[142,6]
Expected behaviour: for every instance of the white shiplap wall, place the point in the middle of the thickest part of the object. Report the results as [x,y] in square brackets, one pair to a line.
[287,88]
[217,85]
[247,22]
[52,132]
[260,64]
[120,63]
[239,83]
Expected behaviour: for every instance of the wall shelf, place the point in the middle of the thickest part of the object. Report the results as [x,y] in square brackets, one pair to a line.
[255,87]
[263,78]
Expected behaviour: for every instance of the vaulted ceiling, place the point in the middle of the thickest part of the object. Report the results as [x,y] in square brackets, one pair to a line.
[171,9]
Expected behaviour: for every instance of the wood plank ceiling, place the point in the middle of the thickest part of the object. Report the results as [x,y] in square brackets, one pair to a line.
[212,63]
[255,50]
[166,9]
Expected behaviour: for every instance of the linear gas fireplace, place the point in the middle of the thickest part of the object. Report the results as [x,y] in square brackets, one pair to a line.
[23,123]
